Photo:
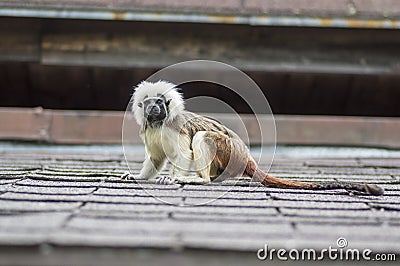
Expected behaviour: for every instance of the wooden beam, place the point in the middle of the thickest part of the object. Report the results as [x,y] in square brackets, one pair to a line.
[86,127]
[156,45]
[20,40]
[338,130]
[24,124]
[267,50]
[105,127]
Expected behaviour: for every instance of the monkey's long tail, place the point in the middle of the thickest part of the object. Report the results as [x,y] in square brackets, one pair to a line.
[268,180]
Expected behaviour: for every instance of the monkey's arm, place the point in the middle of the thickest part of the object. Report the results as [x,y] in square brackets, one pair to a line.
[151,167]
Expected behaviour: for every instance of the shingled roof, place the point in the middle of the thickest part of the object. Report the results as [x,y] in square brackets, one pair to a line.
[59,207]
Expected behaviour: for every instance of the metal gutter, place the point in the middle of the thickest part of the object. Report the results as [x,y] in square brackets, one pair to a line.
[256,20]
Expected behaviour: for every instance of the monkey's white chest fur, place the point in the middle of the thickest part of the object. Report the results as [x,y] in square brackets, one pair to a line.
[161,142]
[167,144]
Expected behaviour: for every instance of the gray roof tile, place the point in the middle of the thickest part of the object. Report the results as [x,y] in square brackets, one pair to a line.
[31,206]
[65,205]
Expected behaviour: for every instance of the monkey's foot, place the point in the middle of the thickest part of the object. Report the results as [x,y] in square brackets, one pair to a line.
[128,176]
[190,180]
[165,180]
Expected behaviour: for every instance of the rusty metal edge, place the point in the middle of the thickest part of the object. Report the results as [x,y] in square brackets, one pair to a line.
[255,20]
[105,127]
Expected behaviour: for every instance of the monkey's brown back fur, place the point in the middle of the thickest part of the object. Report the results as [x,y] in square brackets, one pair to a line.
[230,149]
[188,124]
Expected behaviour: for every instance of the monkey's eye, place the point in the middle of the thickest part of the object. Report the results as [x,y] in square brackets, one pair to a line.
[159,101]
[140,105]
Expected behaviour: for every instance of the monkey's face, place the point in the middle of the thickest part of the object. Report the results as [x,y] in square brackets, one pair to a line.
[155,109]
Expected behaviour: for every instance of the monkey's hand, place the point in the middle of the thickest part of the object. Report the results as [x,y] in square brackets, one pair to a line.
[166,180]
[128,176]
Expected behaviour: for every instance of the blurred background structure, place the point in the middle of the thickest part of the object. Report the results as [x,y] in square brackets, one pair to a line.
[330,69]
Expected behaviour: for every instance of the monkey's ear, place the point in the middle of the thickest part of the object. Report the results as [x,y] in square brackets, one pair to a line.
[168,102]
[140,105]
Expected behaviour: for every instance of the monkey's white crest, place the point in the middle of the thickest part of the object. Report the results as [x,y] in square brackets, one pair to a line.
[149,89]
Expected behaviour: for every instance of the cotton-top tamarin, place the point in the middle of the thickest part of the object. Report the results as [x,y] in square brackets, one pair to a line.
[188,140]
